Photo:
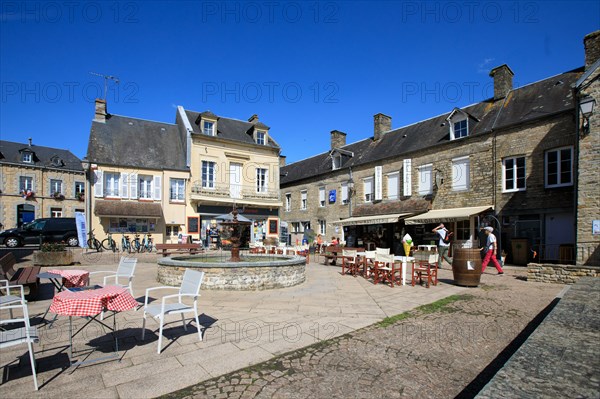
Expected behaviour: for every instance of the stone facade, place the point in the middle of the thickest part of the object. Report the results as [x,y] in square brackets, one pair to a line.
[560,274]
[243,276]
[588,187]
[43,202]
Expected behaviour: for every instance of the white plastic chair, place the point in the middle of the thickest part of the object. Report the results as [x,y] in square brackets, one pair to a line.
[125,270]
[5,296]
[22,335]
[190,287]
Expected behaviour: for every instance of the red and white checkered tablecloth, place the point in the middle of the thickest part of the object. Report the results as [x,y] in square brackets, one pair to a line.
[92,302]
[73,278]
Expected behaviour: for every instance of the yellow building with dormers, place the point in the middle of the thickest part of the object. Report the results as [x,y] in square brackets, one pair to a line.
[174,180]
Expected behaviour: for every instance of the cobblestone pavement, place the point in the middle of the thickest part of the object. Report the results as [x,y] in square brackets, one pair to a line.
[434,351]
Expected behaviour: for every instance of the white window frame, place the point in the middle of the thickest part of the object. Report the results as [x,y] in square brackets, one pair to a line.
[322,227]
[288,202]
[322,197]
[515,172]
[391,187]
[56,212]
[336,161]
[25,183]
[295,227]
[176,189]
[559,167]
[145,187]
[368,187]
[261,137]
[210,130]
[457,183]
[456,120]
[425,188]
[303,200]
[262,180]
[112,184]
[345,196]
[27,157]
[56,186]
[208,174]
[81,185]
[305,226]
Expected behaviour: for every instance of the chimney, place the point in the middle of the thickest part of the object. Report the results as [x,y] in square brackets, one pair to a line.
[591,44]
[338,139]
[503,81]
[253,119]
[383,123]
[100,115]
[281,161]
[29,141]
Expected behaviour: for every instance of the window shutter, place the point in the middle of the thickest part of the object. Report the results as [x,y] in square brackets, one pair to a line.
[124,185]
[133,186]
[157,187]
[321,194]
[393,186]
[378,183]
[407,171]
[98,184]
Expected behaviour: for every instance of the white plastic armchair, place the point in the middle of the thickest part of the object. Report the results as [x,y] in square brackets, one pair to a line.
[22,335]
[124,271]
[190,288]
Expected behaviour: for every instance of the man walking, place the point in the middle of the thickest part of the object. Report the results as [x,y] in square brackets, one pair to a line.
[442,246]
[492,248]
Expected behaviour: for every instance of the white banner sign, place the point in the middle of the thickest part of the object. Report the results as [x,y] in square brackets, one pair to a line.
[81,229]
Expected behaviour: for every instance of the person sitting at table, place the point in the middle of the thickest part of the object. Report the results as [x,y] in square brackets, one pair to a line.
[334,241]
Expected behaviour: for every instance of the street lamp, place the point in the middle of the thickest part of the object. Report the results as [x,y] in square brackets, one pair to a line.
[586,106]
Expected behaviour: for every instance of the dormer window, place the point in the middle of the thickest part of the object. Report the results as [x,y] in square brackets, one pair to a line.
[337,161]
[208,128]
[261,137]
[339,156]
[27,157]
[460,129]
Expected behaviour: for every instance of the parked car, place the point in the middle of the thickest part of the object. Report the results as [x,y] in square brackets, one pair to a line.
[50,230]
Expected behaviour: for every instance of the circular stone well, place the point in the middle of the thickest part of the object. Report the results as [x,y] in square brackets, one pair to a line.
[276,272]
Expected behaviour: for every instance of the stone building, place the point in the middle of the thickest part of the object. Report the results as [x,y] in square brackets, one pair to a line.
[172,180]
[508,161]
[38,181]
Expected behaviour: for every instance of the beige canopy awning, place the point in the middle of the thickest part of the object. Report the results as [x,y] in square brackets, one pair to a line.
[446,215]
[127,209]
[375,219]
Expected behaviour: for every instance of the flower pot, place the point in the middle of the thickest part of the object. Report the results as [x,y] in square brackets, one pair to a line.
[60,258]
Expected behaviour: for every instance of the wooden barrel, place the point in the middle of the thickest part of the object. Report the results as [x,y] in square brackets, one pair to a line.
[466,266]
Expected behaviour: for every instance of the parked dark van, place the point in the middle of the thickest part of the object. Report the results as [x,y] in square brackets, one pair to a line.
[51,230]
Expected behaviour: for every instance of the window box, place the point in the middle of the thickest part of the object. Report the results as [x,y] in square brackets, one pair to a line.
[28,194]
[58,196]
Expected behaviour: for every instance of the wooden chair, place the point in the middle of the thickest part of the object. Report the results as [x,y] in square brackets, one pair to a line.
[382,251]
[350,262]
[425,269]
[369,263]
[383,269]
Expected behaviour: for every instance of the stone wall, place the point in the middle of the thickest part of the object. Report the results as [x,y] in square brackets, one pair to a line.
[561,274]
[243,278]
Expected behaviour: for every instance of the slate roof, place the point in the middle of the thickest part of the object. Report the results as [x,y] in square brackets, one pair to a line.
[47,157]
[139,143]
[522,105]
[231,129]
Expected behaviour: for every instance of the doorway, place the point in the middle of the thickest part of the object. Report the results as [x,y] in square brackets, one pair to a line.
[25,214]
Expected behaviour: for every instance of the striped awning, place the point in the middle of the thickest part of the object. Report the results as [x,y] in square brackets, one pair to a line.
[375,219]
[446,215]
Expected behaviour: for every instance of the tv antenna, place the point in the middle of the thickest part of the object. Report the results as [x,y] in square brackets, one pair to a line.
[106,78]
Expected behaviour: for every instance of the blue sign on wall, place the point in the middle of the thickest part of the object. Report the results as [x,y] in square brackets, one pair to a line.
[332,196]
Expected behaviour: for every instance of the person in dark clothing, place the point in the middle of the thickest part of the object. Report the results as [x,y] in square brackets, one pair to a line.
[482,240]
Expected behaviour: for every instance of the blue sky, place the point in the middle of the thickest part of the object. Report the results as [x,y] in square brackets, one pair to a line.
[305,67]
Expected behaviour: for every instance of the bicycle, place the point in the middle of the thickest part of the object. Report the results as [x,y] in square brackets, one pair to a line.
[136,244]
[125,244]
[147,244]
[93,242]
[109,243]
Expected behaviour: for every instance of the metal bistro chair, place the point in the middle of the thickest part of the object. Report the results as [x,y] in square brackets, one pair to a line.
[21,335]
[190,287]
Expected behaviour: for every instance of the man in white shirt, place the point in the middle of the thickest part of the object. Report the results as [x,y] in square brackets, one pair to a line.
[492,248]
[442,247]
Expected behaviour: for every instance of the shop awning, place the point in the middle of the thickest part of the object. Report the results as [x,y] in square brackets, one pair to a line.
[446,215]
[375,219]
[127,209]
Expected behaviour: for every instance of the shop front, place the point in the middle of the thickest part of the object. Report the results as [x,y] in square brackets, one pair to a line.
[124,217]
[264,223]
[376,231]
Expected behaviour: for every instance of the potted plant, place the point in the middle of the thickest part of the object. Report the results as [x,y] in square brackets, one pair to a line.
[58,196]
[53,254]
[80,196]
